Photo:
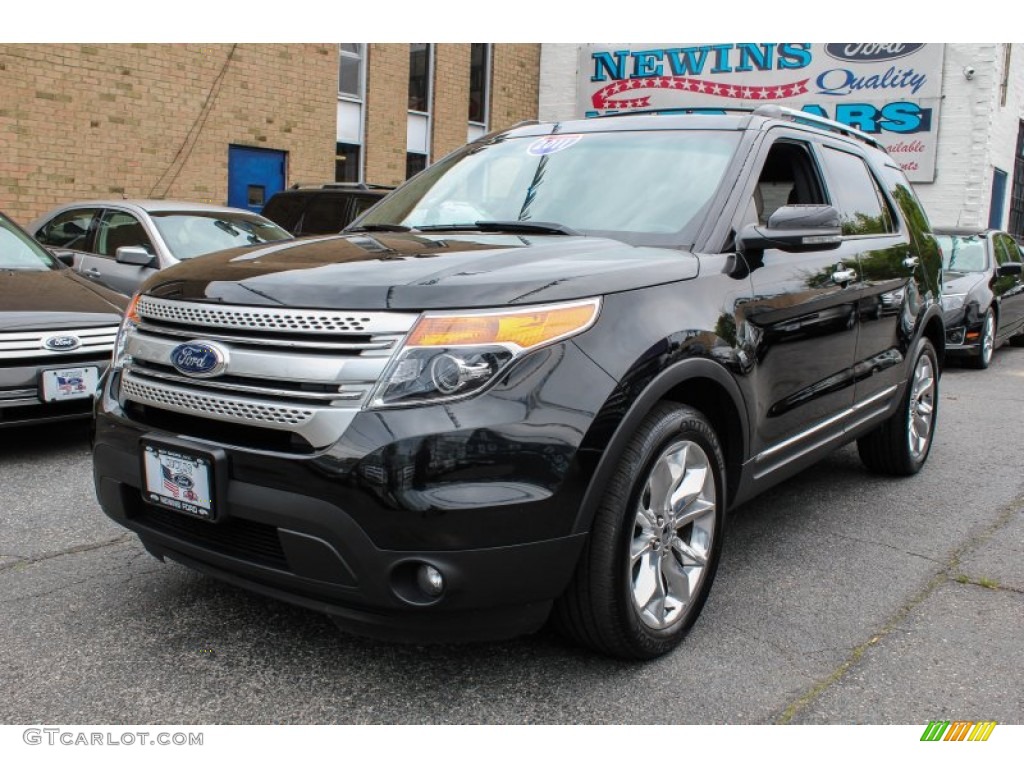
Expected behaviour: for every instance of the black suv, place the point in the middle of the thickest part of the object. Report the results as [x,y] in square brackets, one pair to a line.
[323,209]
[533,380]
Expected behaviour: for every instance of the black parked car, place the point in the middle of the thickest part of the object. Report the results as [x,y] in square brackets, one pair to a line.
[57,333]
[532,380]
[983,292]
[323,209]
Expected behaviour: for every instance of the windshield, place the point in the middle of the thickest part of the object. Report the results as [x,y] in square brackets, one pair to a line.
[963,253]
[646,187]
[20,252]
[193,234]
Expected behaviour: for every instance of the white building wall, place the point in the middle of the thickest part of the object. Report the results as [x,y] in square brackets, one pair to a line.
[976,133]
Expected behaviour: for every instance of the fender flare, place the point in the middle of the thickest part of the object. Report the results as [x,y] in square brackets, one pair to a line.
[654,392]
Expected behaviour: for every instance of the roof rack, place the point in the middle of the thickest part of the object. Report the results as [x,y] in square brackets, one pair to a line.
[772,111]
[777,112]
[339,185]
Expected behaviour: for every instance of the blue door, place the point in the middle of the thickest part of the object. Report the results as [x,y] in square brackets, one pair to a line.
[253,176]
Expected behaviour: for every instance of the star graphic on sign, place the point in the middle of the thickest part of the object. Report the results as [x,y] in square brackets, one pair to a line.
[746,93]
[614,88]
[764,93]
[779,93]
[673,83]
[717,89]
[644,83]
[701,87]
[686,85]
[630,84]
[732,91]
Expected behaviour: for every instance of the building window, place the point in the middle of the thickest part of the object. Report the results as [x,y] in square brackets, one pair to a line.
[1016,227]
[350,70]
[414,163]
[479,82]
[419,77]
[347,162]
[417,133]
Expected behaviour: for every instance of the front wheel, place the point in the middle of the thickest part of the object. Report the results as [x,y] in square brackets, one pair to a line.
[654,545]
[900,445]
[987,342]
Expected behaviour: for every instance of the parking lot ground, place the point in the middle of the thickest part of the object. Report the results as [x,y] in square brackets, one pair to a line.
[842,597]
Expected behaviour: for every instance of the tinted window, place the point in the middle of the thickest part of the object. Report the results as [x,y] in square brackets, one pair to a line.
[419,77]
[118,229]
[326,214]
[194,234]
[68,230]
[862,209]
[19,252]
[1006,249]
[285,209]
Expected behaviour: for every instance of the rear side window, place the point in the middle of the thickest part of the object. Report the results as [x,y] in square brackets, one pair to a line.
[862,207]
[325,215]
[285,210]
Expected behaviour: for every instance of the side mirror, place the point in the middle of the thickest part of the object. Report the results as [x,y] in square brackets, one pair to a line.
[1010,268]
[795,228]
[135,255]
[64,257]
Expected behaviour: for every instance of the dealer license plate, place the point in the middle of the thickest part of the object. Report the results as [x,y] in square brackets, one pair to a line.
[62,384]
[179,480]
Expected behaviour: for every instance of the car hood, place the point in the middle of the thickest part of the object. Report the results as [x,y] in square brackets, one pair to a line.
[55,299]
[961,282]
[413,272]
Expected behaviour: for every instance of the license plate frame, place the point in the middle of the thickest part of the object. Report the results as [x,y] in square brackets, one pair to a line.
[183,478]
[79,382]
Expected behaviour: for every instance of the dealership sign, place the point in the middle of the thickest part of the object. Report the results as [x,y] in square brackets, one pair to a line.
[890,90]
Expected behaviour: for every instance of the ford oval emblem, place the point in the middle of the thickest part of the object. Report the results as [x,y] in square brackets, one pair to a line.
[199,358]
[62,343]
[871,51]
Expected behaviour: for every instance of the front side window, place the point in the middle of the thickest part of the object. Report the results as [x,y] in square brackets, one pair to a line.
[963,253]
[18,252]
[193,234]
[641,186]
[118,229]
[68,230]
[862,208]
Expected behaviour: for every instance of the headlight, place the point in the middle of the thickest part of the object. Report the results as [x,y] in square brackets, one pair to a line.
[453,355]
[953,300]
[131,318]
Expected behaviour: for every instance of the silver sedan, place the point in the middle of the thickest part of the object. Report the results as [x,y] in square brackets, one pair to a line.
[120,243]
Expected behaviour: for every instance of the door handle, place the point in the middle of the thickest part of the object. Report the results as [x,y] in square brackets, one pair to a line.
[93,272]
[844,275]
[910,262]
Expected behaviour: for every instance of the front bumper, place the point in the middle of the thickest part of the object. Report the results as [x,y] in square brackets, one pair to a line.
[21,396]
[486,491]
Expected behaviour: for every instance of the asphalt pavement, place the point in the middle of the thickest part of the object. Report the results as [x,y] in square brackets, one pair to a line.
[842,597]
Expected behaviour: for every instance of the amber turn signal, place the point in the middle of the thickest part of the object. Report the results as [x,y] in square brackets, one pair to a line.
[525,328]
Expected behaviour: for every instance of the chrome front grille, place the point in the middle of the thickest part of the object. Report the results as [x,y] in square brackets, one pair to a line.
[301,371]
[266,318]
[30,344]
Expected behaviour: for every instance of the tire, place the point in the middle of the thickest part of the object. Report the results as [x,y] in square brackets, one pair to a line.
[986,344]
[900,445]
[613,603]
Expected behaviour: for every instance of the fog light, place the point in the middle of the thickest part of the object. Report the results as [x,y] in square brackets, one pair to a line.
[430,580]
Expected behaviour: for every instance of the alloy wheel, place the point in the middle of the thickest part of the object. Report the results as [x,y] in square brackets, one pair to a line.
[922,407]
[672,534]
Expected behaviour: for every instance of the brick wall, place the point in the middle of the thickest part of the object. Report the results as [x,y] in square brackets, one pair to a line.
[387,104]
[515,70]
[141,120]
[451,98]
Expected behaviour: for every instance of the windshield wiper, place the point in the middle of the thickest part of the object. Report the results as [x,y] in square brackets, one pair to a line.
[541,227]
[379,228]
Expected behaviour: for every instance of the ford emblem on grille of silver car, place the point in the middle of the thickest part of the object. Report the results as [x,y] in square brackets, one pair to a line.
[199,358]
[62,343]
